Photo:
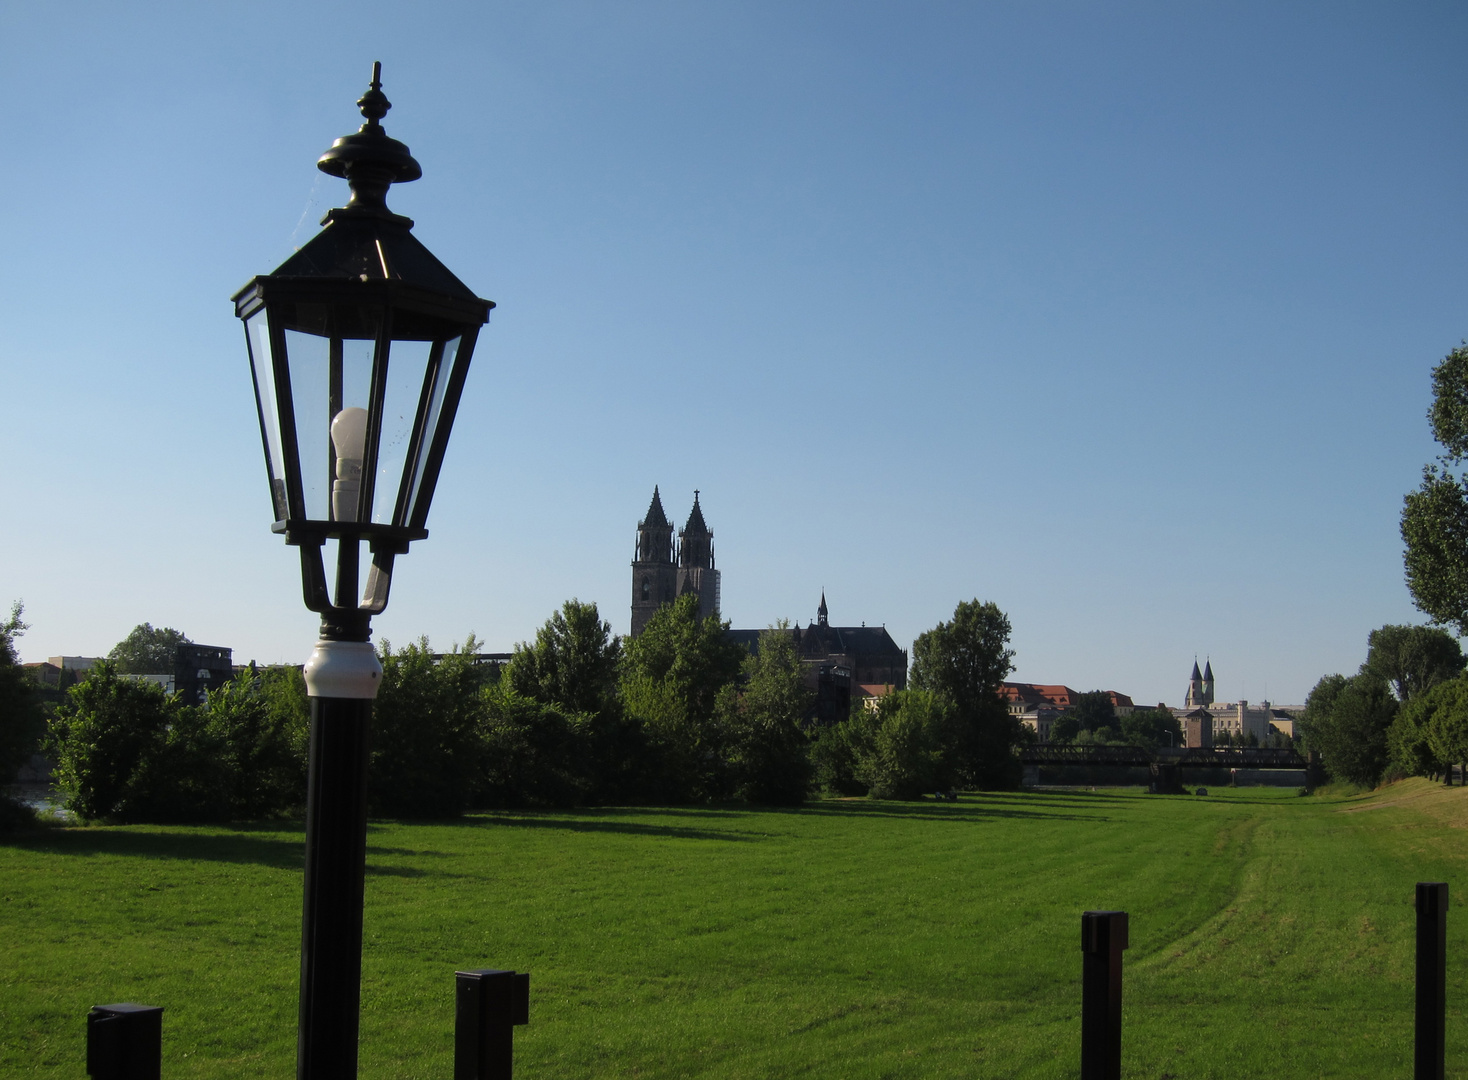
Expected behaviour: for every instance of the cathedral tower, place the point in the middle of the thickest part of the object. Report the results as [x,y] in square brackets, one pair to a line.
[654,575]
[1207,681]
[696,572]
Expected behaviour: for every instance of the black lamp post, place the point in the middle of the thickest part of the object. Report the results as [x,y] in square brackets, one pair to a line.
[359,344]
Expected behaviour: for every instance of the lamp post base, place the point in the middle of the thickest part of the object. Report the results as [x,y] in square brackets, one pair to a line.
[336,860]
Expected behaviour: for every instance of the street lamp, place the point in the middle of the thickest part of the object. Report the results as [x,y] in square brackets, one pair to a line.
[359,344]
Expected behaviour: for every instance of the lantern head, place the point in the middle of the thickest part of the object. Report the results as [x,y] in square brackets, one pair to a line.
[359,344]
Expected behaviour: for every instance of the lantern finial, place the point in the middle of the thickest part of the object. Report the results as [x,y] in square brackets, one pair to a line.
[369,161]
[374,103]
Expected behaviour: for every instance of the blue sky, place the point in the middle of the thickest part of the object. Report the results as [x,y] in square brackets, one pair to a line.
[1118,315]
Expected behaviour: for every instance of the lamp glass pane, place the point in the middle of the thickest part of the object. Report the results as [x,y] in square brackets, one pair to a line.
[405,371]
[432,414]
[309,356]
[257,337]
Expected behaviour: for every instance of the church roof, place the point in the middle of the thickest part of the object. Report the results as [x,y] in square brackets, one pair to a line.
[695,519]
[655,515]
[1207,670]
[821,638]
[1196,675]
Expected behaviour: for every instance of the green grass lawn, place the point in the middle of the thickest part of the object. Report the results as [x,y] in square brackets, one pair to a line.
[1271,936]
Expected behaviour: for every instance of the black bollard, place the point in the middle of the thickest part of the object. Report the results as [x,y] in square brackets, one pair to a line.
[124,1042]
[1432,978]
[488,1006]
[1103,937]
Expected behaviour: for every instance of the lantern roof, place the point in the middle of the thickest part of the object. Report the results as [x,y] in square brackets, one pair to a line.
[364,242]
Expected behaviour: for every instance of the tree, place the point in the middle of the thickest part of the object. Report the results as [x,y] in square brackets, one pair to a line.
[125,751]
[962,662]
[1348,723]
[259,725]
[1152,727]
[1094,712]
[147,650]
[1435,516]
[1409,740]
[1065,728]
[21,726]
[425,740]
[574,662]
[904,748]
[1447,726]
[1412,659]
[531,752]
[769,755]
[678,682]
[1318,705]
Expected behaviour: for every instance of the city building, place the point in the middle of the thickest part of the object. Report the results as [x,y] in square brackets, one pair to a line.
[1037,705]
[1229,718]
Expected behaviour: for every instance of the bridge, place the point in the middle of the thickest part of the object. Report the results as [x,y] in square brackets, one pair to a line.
[1166,764]
[1145,756]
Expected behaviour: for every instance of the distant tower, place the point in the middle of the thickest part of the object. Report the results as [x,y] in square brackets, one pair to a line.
[696,573]
[821,612]
[1207,681]
[654,576]
[1194,699]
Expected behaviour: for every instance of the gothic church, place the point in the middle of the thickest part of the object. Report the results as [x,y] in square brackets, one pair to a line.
[662,571]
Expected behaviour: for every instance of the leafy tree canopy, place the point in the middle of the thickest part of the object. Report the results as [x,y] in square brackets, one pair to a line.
[1152,727]
[147,650]
[965,659]
[1435,516]
[962,662]
[1412,659]
[1347,720]
[1093,710]
[692,657]
[20,722]
[574,662]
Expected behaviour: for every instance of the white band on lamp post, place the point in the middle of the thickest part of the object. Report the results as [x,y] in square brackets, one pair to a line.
[343,669]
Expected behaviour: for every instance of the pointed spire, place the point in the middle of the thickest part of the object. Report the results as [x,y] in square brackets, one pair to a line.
[1207,671]
[1197,676]
[655,515]
[695,517]
[821,612]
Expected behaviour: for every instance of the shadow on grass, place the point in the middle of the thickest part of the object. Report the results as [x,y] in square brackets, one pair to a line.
[966,811]
[238,844]
[242,844]
[575,821]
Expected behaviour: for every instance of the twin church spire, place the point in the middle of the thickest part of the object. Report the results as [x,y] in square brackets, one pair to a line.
[1200,687]
[663,571]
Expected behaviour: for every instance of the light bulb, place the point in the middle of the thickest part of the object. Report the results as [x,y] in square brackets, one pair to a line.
[348,437]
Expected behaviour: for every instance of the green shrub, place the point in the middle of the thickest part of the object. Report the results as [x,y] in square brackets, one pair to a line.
[425,740]
[125,751]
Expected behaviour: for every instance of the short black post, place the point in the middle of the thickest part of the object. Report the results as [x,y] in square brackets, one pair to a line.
[1103,937]
[1432,978]
[488,1006]
[124,1042]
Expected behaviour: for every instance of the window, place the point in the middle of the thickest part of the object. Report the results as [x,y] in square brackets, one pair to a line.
[646,588]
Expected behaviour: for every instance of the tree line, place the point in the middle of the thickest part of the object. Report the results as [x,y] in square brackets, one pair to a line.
[579,716]
[1405,713]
